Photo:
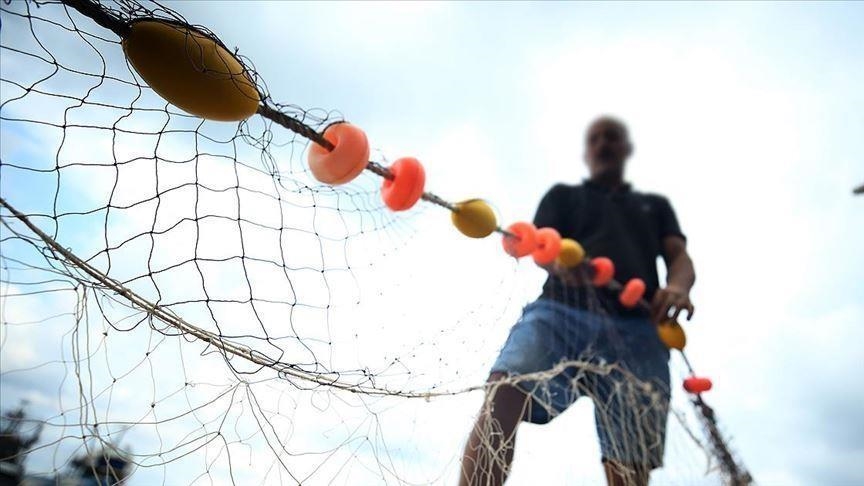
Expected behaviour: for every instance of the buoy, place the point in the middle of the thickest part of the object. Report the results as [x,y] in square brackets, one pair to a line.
[697,385]
[191,70]
[604,271]
[525,241]
[474,218]
[349,156]
[633,290]
[404,190]
[571,253]
[548,242]
[672,335]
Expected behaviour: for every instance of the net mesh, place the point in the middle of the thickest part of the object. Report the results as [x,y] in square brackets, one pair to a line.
[183,303]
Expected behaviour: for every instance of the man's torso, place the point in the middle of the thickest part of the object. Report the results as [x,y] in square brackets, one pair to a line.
[624,225]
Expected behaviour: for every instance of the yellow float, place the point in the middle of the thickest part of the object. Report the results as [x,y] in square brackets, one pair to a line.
[191,70]
[571,253]
[474,218]
[672,335]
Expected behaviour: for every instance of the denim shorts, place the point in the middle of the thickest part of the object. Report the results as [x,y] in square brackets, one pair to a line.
[631,397]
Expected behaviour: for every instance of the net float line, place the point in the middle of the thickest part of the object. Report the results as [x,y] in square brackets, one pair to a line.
[340,153]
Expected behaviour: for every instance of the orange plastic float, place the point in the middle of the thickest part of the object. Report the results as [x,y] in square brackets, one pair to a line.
[604,271]
[632,292]
[349,156]
[672,335]
[525,241]
[548,242]
[404,190]
[474,218]
[571,253]
[697,385]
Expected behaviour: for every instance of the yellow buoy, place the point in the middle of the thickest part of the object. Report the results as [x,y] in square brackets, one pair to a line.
[474,218]
[191,70]
[571,253]
[672,335]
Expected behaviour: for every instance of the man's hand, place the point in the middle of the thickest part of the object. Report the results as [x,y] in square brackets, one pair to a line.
[669,299]
[680,278]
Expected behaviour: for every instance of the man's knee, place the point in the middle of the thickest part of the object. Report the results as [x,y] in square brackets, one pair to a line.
[618,474]
[496,376]
[503,399]
[501,390]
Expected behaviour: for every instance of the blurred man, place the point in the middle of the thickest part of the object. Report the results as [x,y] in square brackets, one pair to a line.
[577,323]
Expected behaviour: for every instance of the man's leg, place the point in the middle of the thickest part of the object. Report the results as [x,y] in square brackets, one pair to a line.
[489,451]
[632,403]
[621,475]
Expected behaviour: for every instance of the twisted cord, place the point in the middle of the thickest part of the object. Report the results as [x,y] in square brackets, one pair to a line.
[102,16]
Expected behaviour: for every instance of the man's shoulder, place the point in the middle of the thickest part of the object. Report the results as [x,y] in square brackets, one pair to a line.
[562,189]
[562,186]
[653,202]
[569,187]
[651,197]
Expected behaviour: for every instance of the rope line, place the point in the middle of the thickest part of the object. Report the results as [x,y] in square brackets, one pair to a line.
[215,340]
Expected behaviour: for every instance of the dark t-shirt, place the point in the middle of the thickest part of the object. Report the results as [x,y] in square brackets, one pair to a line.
[624,225]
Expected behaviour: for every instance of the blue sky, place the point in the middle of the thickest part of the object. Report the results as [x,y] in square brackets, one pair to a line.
[748,116]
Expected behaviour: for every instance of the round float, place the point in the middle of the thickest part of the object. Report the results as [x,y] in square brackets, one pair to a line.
[404,190]
[672,335]
[694,384]
[571,253]
[474,218]
[633,290]
[191,70]
[548,242]
[604,271]
[524,242]
[349,156]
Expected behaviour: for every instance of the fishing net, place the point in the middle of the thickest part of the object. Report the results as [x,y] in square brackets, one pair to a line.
[182,301]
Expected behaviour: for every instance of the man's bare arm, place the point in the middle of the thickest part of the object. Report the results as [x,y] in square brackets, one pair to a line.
[680,277]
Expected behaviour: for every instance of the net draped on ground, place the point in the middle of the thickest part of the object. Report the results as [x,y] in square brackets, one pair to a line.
[184,293]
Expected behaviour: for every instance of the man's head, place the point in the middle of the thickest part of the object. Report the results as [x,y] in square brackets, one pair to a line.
[607,147]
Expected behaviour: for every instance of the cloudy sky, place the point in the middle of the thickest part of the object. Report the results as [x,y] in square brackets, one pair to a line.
[747,116]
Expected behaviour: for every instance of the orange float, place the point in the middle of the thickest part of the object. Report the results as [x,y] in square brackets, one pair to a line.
[632,292]
[548,242]
[404,190]
[349,156]
[524,242]
[604,271]
[697,385]
[672,335]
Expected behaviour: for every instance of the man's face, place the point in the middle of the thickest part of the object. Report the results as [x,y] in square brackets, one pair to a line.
[606,148]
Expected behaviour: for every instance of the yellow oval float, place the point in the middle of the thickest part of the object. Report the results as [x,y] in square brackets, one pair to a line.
[571,253]
[672,335]
[474,218]
[191,70]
